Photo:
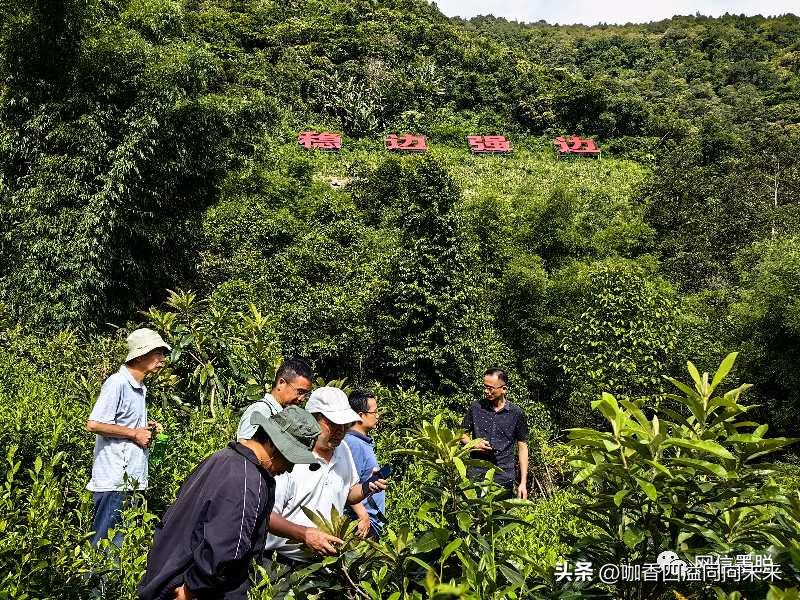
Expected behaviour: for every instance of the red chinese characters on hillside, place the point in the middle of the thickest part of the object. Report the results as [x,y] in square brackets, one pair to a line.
[311,140]
[575,145]
[406,143]
[565,145]
[489,144]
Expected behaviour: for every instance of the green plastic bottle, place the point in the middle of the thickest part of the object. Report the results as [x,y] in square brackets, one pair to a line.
[159,448]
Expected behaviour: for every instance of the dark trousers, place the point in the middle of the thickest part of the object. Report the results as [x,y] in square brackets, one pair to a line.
[107,515]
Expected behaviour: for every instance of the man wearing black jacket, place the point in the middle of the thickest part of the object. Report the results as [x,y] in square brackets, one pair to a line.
[218,523]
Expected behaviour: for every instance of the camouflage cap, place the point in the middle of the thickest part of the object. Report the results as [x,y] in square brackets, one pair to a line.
[293,431]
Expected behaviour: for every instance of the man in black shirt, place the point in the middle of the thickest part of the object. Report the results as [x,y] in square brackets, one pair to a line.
[497,426]
[218,523]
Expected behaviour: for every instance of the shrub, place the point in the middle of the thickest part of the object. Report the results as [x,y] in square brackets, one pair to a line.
[683,479]
[456,551]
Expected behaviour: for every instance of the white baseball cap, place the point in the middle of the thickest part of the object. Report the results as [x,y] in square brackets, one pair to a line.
[332,403]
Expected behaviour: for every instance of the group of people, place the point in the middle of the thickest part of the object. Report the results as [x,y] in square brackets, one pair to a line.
[247,500]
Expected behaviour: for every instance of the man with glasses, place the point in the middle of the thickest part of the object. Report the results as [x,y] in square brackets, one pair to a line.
[332,483]
[292,385]
[498,426]
[362,447]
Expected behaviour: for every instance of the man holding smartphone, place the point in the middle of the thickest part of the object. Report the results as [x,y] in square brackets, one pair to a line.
[498,426]
[362,447]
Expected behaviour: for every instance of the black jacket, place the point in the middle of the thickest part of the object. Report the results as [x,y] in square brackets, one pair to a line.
[215,527]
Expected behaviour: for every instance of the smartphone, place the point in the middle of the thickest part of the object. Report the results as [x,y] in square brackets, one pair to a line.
[381,473]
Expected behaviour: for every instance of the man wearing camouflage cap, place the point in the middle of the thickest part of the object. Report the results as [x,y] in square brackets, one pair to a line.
[218,523]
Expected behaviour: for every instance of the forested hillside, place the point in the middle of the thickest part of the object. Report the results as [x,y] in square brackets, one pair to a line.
[149,159]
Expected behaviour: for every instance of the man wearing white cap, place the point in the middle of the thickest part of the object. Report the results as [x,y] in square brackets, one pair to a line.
[332,485]
[122,431]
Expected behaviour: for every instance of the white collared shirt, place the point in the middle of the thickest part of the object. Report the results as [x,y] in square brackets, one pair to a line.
[318,490]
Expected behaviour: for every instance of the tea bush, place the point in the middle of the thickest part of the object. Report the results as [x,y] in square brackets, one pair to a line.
[684,479]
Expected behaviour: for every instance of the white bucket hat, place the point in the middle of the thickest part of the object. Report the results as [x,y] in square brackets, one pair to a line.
[332,402]
[142,341]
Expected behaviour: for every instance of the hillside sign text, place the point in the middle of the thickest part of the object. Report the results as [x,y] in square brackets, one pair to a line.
[571,145]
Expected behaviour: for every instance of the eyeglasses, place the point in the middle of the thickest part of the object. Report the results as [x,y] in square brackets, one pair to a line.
[491,388]
[301,394]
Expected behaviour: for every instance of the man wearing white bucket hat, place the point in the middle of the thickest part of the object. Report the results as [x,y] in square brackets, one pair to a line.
[122,431]
[331,483]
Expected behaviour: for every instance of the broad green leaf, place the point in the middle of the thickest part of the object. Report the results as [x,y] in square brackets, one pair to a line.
[724,368]
[698,381]
[584,474]
[450,548]
[512,575]
[648,489]
[609,408]
[657,465]
[633,536]
[706,446]
[462,470]
[619,496]
[735,393]
[317,519]
[677,418]
[637,413]
[425,543]
[420,562]
[464,521]
[703,465]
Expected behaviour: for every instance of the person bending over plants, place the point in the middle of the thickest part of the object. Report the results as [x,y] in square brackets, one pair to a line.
[218,523]
[332,483]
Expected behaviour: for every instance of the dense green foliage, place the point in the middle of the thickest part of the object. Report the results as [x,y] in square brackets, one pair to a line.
[150,145]
[647,484]
[682,479]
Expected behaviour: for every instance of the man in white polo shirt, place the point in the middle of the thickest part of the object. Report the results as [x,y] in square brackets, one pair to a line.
[334,484]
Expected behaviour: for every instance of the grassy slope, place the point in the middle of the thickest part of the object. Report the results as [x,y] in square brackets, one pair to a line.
[521,182]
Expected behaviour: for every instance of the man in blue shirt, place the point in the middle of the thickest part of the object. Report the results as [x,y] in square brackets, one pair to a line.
[362,447]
